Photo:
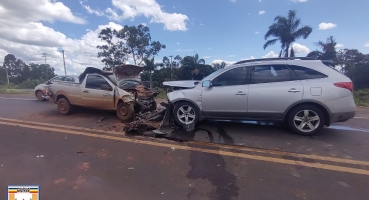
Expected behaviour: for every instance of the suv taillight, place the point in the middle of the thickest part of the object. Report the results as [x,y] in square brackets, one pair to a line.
[346,85]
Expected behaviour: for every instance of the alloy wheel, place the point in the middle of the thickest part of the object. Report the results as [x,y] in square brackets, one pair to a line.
[306,120]
[186,114]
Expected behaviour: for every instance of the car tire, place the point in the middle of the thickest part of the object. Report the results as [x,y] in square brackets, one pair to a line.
[306,120]
[125,111]
[186,110]
[64,106]
[39,95]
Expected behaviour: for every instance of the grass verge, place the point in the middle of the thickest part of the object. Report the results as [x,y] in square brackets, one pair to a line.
[362,97]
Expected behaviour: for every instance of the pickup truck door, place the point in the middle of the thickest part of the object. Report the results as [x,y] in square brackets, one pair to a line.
[97,92]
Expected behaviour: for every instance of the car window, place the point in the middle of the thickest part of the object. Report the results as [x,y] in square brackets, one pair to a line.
[59,78]
[236,76]
[95,82]
[68,79]
[306,73]
[270,73]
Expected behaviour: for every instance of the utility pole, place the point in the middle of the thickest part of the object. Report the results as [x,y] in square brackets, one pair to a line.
[44,55]
[7,76]
[171,68]
[65,70]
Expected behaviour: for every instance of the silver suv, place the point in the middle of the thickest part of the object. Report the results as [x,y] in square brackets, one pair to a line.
[304,93]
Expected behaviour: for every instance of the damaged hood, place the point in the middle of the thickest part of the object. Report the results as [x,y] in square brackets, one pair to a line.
[182,84]
[127,72]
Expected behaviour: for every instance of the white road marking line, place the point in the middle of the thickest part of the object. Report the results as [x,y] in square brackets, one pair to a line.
[24,99]
[361,118]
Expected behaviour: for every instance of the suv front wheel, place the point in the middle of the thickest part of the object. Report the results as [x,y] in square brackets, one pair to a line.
[306,120]
[185,114]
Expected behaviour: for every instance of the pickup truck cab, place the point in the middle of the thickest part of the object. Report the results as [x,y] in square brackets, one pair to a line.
[119,90]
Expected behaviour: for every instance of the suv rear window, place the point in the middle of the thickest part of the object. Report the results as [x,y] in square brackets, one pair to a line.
[304,73]
[270,73]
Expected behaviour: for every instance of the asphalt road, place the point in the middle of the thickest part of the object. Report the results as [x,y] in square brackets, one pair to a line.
[77,157]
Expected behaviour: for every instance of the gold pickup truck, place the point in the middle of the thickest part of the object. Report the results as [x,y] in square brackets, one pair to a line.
[119,90]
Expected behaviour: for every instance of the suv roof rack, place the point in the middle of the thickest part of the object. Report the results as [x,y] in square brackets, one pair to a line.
[285,58]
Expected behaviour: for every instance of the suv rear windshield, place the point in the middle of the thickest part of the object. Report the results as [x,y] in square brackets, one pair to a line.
[306,73]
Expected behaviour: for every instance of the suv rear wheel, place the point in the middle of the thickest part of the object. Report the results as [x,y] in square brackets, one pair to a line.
[306,120]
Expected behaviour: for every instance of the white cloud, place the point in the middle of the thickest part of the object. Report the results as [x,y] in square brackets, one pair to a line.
[339,45]
[231,56]
[366,45]
[257,32]
[220,61]
[206,57]
[233,1]
[259,0]
[34,38]
[201,24]
[178,43]
[271,55]
[30,43]
[249,58]
[325,26]
[299,1]
[209,48]
[92,11]
[300,49]
[262,12]
[131,9]
[248,13]
[15,11]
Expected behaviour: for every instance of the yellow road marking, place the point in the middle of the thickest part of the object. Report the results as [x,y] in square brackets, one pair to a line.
[61,126]
[265,151]
[218,152]
[283,153]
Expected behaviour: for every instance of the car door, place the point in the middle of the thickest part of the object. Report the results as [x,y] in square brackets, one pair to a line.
[227,96]
[272,89]
[93,95]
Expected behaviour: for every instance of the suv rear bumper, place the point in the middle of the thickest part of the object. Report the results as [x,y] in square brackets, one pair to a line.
[342,117]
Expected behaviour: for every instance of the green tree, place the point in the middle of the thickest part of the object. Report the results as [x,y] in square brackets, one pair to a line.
[287,31]
[218,66]
[328,50]
[132,43]
[175,61]
[192,60]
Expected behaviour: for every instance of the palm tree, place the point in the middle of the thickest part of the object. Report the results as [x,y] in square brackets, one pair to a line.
[218,66]
[197,60]
[149,67]
[287,31]
[328,50]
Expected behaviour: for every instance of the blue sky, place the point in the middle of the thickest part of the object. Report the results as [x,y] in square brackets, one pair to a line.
[216,30]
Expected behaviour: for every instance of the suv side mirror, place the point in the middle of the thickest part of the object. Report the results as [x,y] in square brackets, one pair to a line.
[206,83]
[106,87]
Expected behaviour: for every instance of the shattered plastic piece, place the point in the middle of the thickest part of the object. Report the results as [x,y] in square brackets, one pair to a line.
[131,168]
[162,193]
[101,119]
[40,156]
[173,148]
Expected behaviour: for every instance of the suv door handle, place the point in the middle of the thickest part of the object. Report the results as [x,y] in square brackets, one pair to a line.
[240,93]
[85,91]
[293,90]
[107,95]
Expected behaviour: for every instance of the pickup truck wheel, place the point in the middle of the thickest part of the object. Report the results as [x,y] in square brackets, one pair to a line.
[64,106]
[39,95]
[125,111]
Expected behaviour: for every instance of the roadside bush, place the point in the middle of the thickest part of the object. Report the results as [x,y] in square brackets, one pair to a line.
[29,84]
[362,97]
